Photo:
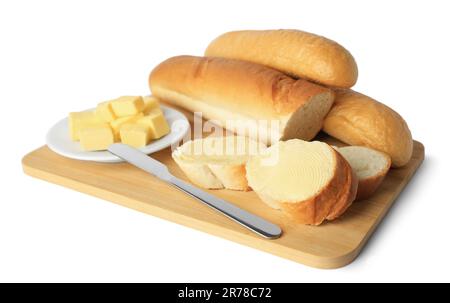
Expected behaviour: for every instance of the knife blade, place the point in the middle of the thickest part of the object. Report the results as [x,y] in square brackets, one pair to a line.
[254,223]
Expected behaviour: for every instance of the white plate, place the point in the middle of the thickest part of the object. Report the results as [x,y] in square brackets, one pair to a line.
[59,141]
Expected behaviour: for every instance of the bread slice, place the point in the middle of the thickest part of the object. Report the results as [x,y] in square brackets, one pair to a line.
[217,162]
[357,119]
[246,98]
[294,52]
[370,166]
[310,181]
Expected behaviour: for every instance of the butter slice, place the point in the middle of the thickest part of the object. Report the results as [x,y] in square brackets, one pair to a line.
[137,135]
[150,103]
[104,112]
[96,137]
[117,124]
[127,105]
[78,120]
[156,122]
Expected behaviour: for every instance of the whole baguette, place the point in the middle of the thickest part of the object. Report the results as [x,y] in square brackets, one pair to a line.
[357,119]
[294,52]
[227,90]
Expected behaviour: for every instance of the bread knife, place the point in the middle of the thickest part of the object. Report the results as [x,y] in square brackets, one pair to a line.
[139,159]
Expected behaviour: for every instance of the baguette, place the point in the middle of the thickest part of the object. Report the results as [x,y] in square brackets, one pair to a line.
[357,119]
[217,162]
[309,181]
[294,52]
[236,91]
[370,166]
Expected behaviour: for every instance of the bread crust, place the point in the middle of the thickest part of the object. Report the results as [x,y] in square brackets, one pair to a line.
[367,186]
[297,53]
[357,119]
[225,89]
[347,194]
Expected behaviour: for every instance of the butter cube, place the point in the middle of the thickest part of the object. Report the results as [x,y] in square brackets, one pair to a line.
[119,122]
[137,135]
[156,122]
[96,137]
[150,103]
[127,105]
[78,120]
[104,112]
[154,111]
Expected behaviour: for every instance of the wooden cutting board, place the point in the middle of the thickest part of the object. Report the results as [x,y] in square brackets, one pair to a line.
[330,245]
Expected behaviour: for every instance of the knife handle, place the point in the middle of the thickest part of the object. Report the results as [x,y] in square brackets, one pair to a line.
[243,217]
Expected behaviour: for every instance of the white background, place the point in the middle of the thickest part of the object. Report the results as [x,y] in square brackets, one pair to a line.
[61,56]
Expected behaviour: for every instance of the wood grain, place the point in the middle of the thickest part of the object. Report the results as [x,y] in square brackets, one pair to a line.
[331,245]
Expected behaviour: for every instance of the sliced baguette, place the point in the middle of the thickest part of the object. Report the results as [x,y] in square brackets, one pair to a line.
[310,181]
[217,162]
[246,98]
[370,166]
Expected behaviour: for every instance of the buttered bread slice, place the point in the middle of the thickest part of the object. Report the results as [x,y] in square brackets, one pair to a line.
[217,162]
[310,181]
